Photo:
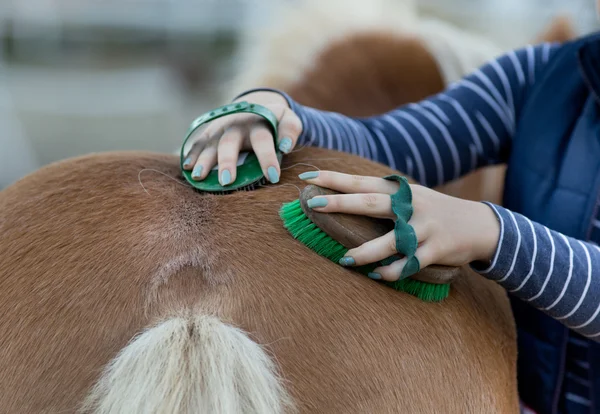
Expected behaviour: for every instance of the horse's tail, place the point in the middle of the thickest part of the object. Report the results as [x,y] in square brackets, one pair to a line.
[190,365]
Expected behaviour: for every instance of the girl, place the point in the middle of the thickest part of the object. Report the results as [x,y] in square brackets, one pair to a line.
[536,109]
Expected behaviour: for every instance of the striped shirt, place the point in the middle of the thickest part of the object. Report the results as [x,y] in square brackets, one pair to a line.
[471,125]
[468,126]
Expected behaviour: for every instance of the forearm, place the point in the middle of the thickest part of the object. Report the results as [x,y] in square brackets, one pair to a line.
[554,273]
[441,138]
[431,141]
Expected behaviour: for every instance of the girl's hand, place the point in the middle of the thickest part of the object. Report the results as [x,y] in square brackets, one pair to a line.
[221,141]
[450,231]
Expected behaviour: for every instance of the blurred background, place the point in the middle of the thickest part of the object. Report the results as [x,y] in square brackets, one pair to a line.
[81,76]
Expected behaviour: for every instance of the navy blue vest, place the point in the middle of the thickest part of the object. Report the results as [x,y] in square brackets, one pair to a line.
[553,177]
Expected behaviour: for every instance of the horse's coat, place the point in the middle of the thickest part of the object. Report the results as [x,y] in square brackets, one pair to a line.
[97,249]
[90,257]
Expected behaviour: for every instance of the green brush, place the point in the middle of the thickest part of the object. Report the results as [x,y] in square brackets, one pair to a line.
[331,235]
[249,172]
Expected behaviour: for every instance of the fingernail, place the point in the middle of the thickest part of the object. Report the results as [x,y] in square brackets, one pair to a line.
[285,145]
[225,177]
[347,261]
[374,276]
[187,162]
[197,172]
[309,175]
[317,202]
[273,176]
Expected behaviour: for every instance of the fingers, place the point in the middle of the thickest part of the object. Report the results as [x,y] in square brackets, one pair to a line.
[261,140]
[346,183]
[371,251]
[204,138]
[403,268]
[222,139]
[192,155]
[290,128]
[367,204]
[228,150]
[217,127]
[205,162]
[381,247]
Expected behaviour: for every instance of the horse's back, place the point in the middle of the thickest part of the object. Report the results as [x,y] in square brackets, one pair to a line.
[97,248]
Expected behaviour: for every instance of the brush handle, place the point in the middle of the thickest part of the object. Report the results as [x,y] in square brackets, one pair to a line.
[351,231]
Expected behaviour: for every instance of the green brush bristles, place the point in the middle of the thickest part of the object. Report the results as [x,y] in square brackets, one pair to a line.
[429,292]
[305,231]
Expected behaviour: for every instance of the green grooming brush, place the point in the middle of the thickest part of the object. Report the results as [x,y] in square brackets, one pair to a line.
[331,235]
[249,172]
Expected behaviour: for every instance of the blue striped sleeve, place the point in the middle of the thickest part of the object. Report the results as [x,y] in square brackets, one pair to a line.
[556,274]
[444,137]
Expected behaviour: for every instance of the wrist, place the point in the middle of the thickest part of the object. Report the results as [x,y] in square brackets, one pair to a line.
[488,233]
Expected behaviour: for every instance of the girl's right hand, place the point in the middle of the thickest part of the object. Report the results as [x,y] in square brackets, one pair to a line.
[221,140]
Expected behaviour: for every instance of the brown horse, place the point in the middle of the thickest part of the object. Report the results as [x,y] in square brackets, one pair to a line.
[116,273]
[123,290]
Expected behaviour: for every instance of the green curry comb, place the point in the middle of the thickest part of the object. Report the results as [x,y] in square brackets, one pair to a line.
[249,172]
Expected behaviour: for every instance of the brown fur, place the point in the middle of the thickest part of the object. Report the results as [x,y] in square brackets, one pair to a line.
[368,74]
[90,256]
[560,29]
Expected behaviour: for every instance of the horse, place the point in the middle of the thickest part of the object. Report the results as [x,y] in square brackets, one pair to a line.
[123,289]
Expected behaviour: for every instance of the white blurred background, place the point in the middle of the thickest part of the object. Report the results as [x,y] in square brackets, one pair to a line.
[80,76]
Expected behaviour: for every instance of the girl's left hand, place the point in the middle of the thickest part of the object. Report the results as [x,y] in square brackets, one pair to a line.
[450,231]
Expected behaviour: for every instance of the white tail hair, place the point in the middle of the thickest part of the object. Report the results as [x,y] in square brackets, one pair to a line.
[190,365]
